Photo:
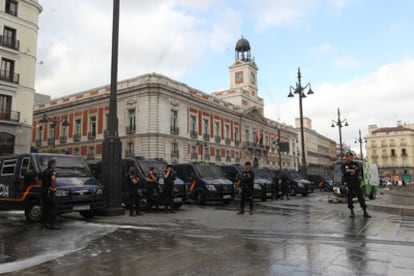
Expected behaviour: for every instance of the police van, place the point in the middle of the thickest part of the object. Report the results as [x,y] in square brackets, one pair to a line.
[76,189]
[205,182]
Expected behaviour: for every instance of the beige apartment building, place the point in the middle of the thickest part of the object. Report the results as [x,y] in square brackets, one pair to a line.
[320,151]
[162,118]
[18,47]
[392,149]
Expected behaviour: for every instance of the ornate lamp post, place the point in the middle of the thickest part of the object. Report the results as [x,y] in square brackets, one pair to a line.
[45,120]
[299,90]
[360,141]
[340,124]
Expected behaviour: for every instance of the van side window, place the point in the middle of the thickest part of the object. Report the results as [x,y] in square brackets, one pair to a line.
[26,166]
[9,167]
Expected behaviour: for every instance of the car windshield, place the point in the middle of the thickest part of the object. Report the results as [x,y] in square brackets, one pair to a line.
[295,175]
[263,173]
[159,166]
[209,171]
[66,165]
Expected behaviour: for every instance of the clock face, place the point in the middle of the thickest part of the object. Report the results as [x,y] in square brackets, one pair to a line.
[239,77]
[252,78]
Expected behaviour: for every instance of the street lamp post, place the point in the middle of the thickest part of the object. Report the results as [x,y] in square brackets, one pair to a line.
[340,124]
[112,146]
[360,141]
[299,89]
[45,119]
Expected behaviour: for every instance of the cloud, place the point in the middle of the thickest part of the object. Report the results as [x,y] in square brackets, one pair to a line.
[345,63]
[381,98]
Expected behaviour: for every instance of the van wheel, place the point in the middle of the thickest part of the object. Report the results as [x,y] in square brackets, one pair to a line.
[88,214]
[292,191]
[200,198]
[33,211]
[177,206]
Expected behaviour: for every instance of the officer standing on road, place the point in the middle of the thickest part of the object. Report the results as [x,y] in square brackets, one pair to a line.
[352,175]
[284,183]
[152,179]
[169,177]
[246,184]
[48,198]
[135,193]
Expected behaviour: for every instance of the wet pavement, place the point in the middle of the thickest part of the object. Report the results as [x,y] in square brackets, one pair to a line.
[303,236]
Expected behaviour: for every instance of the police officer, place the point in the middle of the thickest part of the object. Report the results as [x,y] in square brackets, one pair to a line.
[152,179]
[246,184]
[169,177]
[134,189]
[284,183]
[47,194]
[352,175]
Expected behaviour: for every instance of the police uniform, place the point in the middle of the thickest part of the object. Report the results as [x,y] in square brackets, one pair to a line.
[284,183]
[152,179]
[169,178]
[246,184]
[352,175]
[135,192]
[48,197]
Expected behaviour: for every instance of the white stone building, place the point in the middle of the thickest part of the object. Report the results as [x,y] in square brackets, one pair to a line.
[18,47]
[159,117]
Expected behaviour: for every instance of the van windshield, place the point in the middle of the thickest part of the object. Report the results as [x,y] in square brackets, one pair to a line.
[159,166]
[295,175]
[66,165]
[209,171]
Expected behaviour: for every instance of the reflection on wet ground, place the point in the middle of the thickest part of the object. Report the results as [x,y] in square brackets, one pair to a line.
[300,239]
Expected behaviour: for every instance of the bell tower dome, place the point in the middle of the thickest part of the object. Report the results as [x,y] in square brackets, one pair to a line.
[243,79]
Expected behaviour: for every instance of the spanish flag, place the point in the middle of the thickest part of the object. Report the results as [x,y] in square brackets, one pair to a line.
[193,184]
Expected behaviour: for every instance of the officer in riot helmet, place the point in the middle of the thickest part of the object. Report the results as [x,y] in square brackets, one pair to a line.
[352,176]
[246,184]
[169,178]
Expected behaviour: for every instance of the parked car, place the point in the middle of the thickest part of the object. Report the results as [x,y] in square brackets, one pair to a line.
[322,182]
[76,189]
[205,182]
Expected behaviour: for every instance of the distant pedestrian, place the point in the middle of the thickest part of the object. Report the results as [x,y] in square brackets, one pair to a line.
[246,184]
[134,189]
[284,183]
[352,176]
[169,178]
[47,195]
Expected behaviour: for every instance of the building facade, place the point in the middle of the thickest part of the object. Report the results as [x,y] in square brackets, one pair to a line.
[320,151]
[159,117]
[392,149]
[18,47]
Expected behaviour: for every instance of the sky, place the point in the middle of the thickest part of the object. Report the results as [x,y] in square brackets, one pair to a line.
[358,55]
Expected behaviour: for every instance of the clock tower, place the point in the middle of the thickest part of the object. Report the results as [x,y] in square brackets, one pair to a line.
[243,79]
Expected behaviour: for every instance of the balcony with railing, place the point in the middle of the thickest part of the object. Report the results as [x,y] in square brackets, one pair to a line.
[9,42]
[90,156]
[236,143]
[227,141]
[50,141]
[194,156]
[217,139]
[12,116]
[174,130]
[76,137]
[38,142]
[206,137]
[228,159]
[193,134]
[218,158]
[9,76]
[63,139]
[130,129]
[207,157]
[175,154]
[91,135]
[129,153]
